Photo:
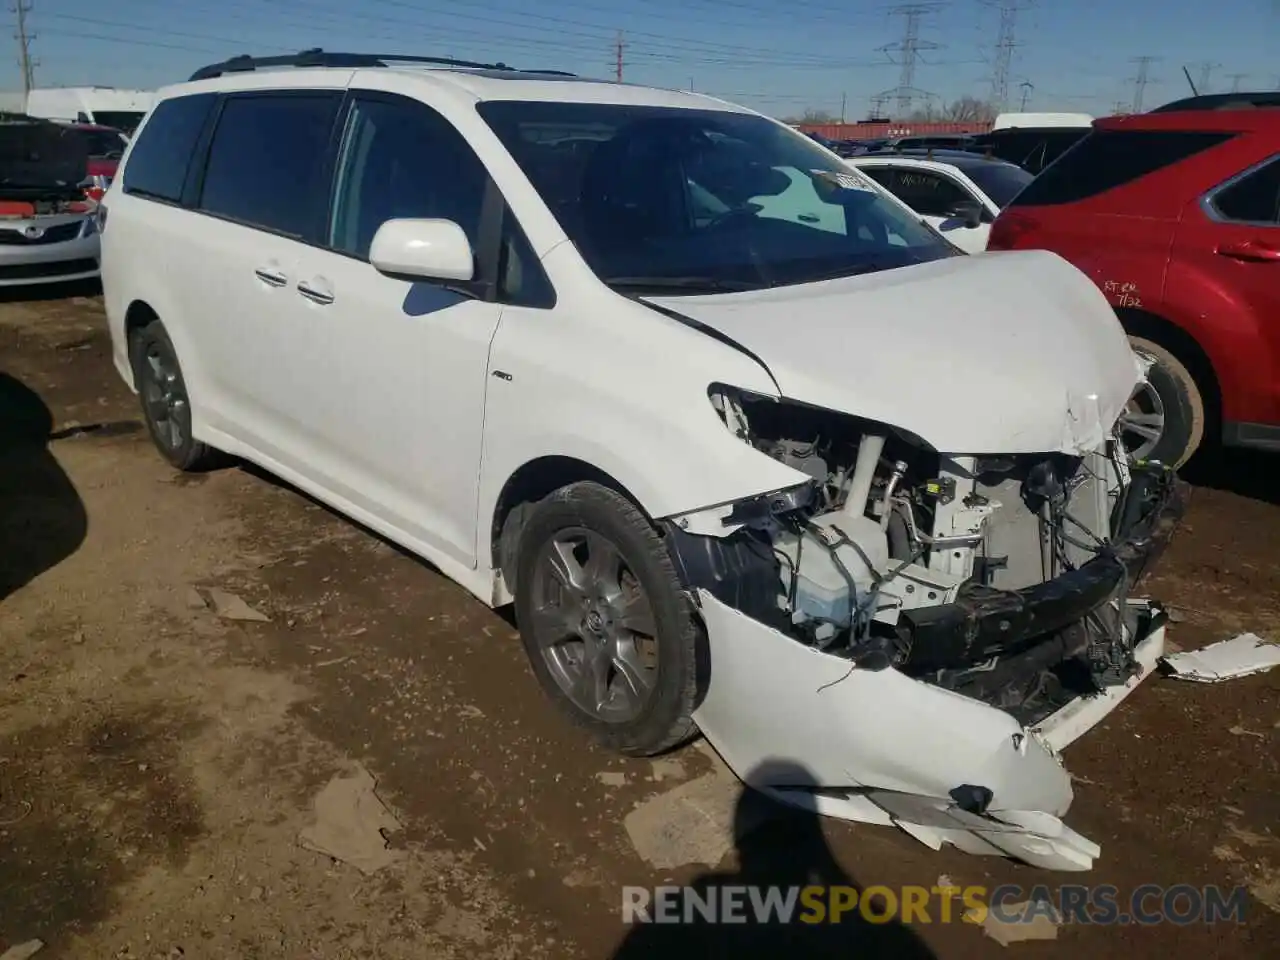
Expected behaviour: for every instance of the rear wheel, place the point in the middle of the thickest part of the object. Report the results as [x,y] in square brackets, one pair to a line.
[609,632]
[166,405]
[1165,418]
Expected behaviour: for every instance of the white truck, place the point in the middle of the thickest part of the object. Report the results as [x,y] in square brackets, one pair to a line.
[107,106]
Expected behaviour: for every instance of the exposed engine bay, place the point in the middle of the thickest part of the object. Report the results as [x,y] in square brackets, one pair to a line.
[1002,578]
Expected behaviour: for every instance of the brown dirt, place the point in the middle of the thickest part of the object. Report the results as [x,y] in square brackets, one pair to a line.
[157,763]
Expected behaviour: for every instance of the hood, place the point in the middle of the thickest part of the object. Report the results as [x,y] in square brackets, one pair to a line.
[41,157]
[1013,352]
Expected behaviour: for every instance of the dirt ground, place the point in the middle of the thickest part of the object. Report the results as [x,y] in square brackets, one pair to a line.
[158,762]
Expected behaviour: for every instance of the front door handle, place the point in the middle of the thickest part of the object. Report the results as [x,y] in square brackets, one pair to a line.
[271,277]
[1250,250]
[314,295]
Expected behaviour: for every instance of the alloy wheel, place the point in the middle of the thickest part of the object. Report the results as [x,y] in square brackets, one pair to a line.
[594,626]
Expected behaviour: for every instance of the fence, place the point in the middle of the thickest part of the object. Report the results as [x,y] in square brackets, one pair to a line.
[867,131]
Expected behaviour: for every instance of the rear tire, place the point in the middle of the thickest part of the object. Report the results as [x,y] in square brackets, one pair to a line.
[1173,401]
[610,633]
[166,406]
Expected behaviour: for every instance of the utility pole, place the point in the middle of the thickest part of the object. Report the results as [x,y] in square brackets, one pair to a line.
[617,65]
[25,64]
[1005,43]
[843,101]
[1027,87]
[1236,79]
[910,46]
[878,103]
[1141,80]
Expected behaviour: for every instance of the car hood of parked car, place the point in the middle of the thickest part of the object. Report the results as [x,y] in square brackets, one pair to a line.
[40,158]
[1005,352]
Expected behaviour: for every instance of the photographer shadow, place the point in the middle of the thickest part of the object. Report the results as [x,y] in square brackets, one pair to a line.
[787,852]
[42,518]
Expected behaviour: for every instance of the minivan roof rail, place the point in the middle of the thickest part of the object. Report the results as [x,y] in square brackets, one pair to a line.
[325,58]
[1222,101]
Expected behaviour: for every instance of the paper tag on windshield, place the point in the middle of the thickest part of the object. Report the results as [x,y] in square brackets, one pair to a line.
[846,181]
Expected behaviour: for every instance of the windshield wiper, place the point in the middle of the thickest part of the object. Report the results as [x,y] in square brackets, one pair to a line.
[708,284]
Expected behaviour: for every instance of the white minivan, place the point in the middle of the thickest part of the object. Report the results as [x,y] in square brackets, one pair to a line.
[753,451]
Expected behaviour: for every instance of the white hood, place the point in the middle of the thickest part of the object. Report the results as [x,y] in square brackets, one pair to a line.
[1002,352]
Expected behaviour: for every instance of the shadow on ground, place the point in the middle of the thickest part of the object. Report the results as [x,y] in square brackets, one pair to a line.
[1248,473]
[37,292]
[42,519]
[788,852]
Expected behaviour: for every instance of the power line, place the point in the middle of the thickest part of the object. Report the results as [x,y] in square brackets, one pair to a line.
[26,65]
[910,46]
[1006,42]
[1141,81]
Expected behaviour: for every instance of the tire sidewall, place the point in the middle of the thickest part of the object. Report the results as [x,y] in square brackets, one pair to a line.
[598,509]
[1183,405]
[154,333]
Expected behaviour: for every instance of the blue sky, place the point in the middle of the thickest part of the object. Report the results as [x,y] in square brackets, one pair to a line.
[780,57]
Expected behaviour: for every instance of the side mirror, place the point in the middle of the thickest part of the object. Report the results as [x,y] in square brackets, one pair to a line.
[970,211]
[423,249]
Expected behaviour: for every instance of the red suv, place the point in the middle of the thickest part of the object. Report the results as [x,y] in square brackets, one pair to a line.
[1175,214]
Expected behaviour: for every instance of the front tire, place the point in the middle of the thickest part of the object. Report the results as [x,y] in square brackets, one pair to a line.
[1165,419]
[166,405]
[610,634]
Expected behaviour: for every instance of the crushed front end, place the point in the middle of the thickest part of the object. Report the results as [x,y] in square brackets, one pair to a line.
[923,632]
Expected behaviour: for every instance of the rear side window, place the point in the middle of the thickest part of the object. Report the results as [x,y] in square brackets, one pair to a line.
[1106,159]
[1254,198]
[267,164]
[158,164]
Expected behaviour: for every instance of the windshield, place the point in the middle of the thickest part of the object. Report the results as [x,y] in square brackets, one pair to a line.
[704,200]
[103,143]
[1001,182]
[126,120]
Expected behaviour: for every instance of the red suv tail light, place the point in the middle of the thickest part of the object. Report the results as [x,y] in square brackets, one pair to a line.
[95,187]
[1010,227]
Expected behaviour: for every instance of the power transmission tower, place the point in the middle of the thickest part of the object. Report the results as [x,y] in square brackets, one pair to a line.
[1206,74]
[617,57]
[1027,87]
[1236,79]
[26,65]
[910,46]
[1005,43]
[1141,80]
[878,103]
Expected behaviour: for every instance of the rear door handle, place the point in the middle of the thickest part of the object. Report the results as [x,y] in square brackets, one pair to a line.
[314,295]
[1250,250]
[272,278]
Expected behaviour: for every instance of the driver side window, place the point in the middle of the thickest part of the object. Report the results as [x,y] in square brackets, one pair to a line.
[401,159]
[927,193]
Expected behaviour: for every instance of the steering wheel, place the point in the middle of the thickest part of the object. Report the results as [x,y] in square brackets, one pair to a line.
[733,214]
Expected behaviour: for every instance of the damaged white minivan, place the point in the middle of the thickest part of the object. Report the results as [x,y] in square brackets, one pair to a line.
[753,451]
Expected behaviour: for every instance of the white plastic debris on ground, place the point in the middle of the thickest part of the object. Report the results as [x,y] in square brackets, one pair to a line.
[1239,657]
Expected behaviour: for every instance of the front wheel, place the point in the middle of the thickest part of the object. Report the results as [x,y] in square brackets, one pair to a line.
[609,633]
[1165,418]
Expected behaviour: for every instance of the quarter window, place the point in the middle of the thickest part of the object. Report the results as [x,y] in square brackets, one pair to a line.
[267,160]
[1254,198]
[158,163]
